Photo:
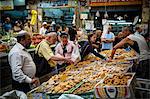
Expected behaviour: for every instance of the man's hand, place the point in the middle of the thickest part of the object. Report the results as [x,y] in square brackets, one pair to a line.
[35,81]
[69,61]
[109,59]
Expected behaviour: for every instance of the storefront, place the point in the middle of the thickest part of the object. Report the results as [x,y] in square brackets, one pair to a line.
[15,9]
[115,10]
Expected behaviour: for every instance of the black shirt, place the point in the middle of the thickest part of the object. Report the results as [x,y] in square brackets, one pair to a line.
[87,48]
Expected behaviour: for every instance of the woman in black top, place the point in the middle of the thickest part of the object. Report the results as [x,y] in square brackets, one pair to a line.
[88,47]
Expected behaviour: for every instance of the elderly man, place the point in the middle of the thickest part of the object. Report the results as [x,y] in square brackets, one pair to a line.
[22,66]
[47,59]
[138,43]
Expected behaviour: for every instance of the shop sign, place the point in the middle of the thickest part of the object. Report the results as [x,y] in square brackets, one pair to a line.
[52,3]
[6,5]
[114,2]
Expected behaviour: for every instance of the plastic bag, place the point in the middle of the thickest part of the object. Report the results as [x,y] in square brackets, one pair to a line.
[69,96]
[14,94]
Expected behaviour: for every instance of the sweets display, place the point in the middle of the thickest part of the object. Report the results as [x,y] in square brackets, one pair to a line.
[121,79]
[120,53]
[115,86]
[90,73]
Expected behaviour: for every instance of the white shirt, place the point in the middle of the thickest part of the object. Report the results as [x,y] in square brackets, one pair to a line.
[72,51]
[43,31]
[143,47]
[137,33]
[22,66]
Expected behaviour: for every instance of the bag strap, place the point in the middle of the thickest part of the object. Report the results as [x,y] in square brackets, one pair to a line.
[85,49]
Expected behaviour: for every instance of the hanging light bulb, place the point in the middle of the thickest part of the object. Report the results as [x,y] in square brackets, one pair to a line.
[120,18]
[115,16]
[125,16]
[106,15]
[97,14]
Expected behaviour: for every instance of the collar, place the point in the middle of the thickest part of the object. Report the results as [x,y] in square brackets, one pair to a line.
[47,42]
[20,46]
[136,32]
[67,43]
[51,45]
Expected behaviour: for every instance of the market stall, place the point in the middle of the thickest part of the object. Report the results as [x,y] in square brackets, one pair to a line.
[81,79]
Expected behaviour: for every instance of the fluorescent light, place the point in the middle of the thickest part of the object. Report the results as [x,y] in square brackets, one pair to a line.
[111,23]
[125,23]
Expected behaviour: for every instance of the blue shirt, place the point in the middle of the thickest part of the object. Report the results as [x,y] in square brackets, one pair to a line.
[108,45]
[7,27]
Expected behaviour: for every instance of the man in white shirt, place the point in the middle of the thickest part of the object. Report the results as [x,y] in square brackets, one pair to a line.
[43,28]
[138,30]
[138,43]
[22,66]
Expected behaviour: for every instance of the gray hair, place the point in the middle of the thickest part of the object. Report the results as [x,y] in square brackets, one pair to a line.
[51,34]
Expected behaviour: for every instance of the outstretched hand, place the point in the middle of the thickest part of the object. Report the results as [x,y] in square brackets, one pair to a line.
[109,60]
[69,61]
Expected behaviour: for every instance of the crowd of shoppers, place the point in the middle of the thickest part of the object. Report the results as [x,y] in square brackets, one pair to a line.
[61,47]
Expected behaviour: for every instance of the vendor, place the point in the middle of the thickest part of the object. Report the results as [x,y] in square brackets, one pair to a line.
[22,66]
[66,49]
[47,59]
[88,47]
[139,44]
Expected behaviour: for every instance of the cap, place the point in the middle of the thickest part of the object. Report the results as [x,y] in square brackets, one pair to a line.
[44,23]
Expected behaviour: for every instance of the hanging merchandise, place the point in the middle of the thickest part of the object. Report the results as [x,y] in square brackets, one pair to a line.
[33,17]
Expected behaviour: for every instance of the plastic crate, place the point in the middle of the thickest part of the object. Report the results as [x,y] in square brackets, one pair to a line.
[143,88]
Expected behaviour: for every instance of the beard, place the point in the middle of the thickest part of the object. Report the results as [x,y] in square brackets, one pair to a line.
[27,45]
